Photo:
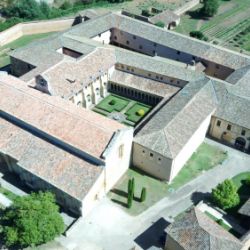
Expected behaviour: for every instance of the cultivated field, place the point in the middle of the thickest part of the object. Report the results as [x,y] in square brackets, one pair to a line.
[229,28]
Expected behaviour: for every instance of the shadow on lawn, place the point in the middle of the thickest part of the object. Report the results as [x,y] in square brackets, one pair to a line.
[120,203]
[197,14]
[119,192]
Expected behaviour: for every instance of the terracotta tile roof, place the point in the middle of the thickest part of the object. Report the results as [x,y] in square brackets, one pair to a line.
[71,125]
[196,231]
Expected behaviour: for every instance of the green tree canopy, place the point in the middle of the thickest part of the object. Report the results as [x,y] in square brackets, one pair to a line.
[210,7]
[32,220]
[225,195]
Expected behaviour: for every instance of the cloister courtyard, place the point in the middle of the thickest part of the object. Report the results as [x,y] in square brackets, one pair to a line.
[124,110]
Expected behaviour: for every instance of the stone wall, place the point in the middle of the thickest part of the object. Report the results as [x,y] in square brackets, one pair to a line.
[30,28]
[189,5]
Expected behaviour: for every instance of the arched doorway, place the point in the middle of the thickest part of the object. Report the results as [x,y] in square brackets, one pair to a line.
[240,143]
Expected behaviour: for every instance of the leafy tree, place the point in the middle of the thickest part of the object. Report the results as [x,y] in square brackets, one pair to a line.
[27,9]
[225,195]
[32,220]
[145,12]
[160,24]
[247,181]
[66,5]
[210,7]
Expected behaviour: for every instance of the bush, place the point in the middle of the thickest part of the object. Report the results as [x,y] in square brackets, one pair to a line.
[210,7]
[140,112]
[198,34]
[32,220]
[112,102]
[225,195]
[145,13]
[160,24]
[66,5]
[143,194]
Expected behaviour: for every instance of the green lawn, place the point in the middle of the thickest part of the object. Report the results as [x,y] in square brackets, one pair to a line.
[239,181]
[156,190]
[22,41]
[113,103]
[205,158]
[133,115]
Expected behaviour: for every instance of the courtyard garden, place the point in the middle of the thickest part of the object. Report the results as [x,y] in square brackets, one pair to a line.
[230,27]
[124,110]
[205,158]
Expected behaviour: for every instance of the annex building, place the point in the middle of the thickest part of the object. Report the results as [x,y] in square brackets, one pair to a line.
[114,91]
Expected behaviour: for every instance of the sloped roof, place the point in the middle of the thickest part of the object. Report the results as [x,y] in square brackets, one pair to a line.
[171,128]
[78,126]
[196,231]
[245,209]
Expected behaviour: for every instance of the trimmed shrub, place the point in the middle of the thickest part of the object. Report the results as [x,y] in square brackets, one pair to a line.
[225,195]
[198,34]
[130,200]
[143,194]
[112,102]
[129,185]
[140,112]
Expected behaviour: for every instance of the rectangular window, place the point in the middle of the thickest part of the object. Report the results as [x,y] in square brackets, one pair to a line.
[151,154]
[243,132]
[229,127]
[178,52]
[218,123]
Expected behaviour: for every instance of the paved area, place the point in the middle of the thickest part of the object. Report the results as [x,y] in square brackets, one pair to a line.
[108,227]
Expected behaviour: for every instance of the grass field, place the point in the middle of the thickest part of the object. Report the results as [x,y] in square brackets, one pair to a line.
[229,27]
[127,107]
[205,158]
[22,41]
[113,103]
[132,113]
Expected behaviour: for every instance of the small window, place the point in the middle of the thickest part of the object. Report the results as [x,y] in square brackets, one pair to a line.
[157,77]
[218,123]
[140,47]
[178,52]
[151,154]
[132,70]
[229,127]
[171,80]
[217,66]
[115,37]
[134,37]
[143,151]
[149,75]
[243,132]
[121,151]
[122,67]
[100,35]
[194,58]
[159,160]
[128,68]
[155,44]
[127,42]
[154,52]
[79,103]
[161,78]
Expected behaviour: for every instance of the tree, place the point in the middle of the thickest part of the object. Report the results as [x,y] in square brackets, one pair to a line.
[143,194]
[210,7]
[225,195]
[32,220]
[198,34]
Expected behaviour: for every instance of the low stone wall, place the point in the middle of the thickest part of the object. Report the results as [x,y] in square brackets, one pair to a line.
[30,28]
[189,5]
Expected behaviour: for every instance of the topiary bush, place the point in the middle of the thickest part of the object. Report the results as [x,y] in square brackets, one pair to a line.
[112,102]
[225,195]
[143,194]
[140,112]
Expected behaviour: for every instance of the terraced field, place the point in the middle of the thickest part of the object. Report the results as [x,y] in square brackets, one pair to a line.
[230,27]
